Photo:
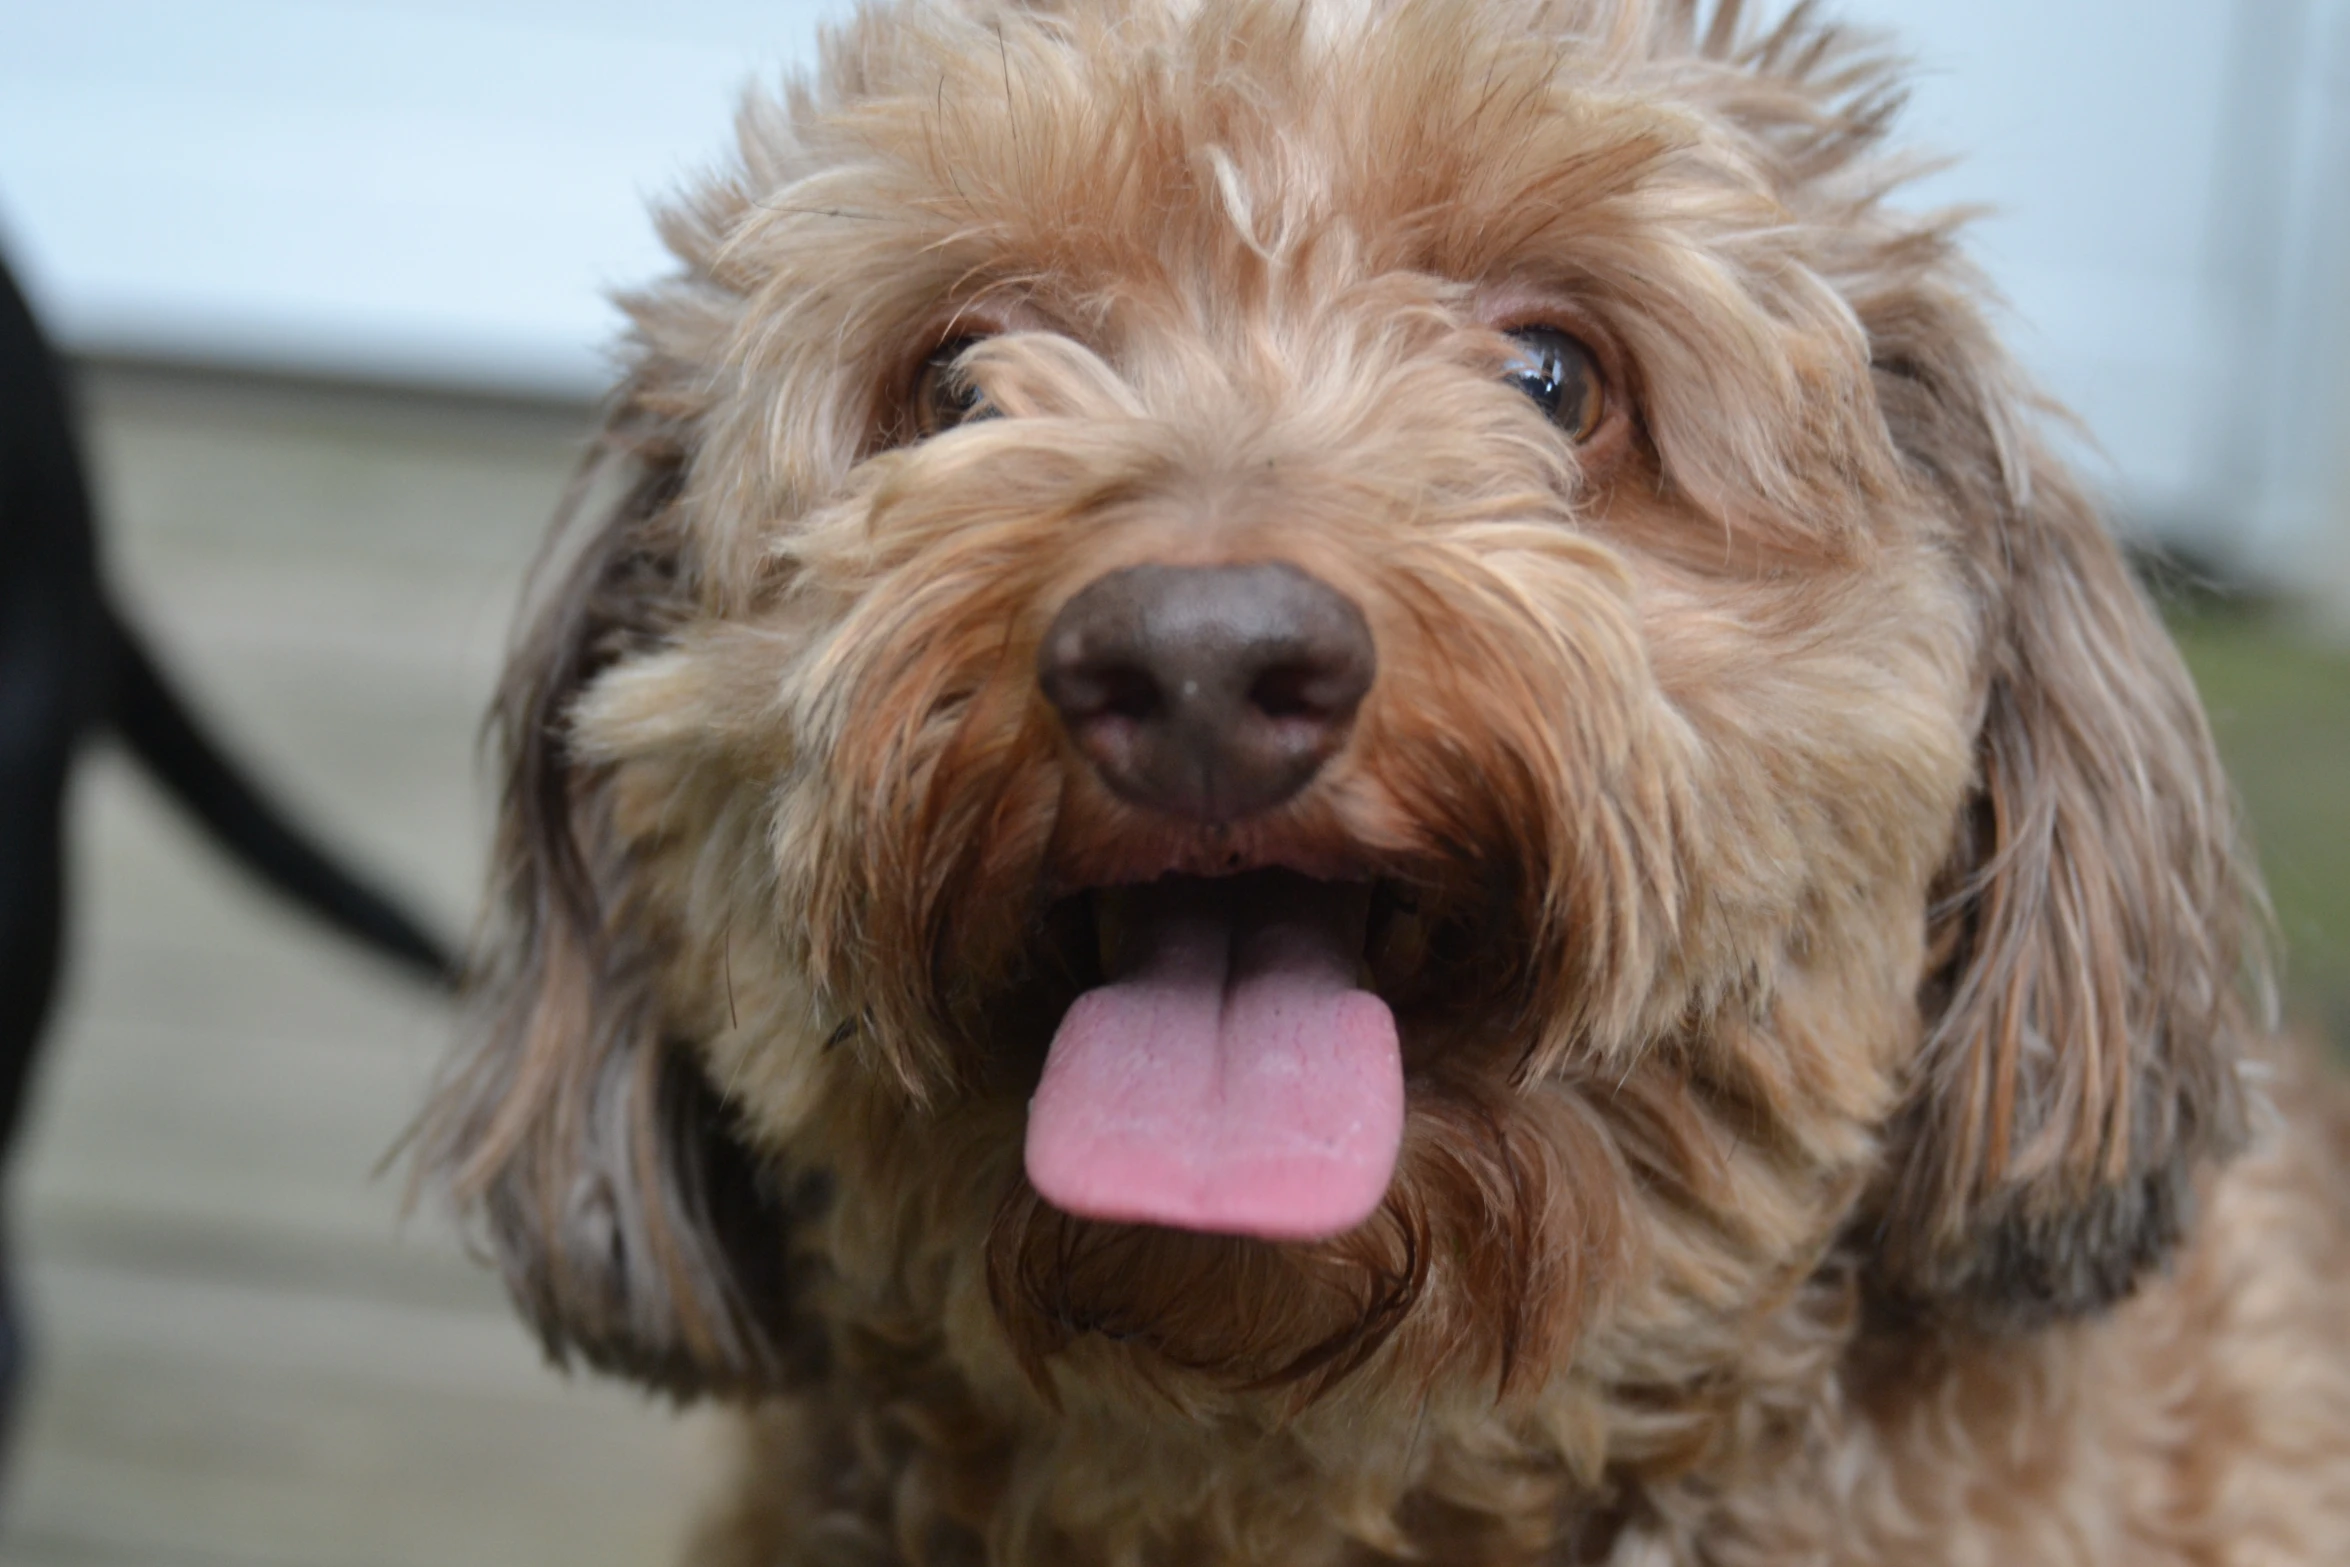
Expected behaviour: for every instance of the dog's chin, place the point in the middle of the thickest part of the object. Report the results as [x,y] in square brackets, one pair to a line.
[1186,1310]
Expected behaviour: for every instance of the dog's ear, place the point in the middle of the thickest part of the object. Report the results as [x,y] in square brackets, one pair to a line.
[2086,1006]
[633,1225]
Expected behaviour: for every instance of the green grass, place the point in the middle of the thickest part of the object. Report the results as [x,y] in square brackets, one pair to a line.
[2280,705]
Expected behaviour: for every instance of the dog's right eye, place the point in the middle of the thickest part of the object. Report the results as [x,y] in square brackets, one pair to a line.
[944,396]
[1561,374]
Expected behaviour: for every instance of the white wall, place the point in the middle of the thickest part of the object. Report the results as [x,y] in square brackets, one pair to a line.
[2283,279]
[420,189]
[2093,129]
[443,189]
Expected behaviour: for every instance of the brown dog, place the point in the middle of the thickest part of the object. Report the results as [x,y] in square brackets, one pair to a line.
[1341,784]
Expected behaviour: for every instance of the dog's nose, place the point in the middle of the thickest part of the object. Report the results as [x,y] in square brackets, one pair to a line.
[1208,692]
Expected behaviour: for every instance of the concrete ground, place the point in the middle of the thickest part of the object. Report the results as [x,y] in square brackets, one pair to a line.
[245,1357]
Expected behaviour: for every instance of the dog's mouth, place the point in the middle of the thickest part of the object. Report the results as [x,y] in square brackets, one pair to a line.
[1230,1074]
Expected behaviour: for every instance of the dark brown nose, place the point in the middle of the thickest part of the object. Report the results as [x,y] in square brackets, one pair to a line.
[1210,692]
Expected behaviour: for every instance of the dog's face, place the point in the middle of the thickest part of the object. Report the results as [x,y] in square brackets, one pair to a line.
[1370,696]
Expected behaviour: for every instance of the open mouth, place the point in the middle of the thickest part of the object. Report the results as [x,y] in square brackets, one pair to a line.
[1231,1075]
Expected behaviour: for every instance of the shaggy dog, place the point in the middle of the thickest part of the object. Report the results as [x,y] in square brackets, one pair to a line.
[1341,782]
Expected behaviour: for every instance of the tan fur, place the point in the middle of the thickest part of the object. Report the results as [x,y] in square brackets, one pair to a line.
[1822,956]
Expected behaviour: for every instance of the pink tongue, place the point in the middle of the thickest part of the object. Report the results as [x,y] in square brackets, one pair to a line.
[1233,1080]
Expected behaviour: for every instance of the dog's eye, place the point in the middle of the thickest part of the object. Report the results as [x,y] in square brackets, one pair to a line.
[1562,376]
[944,396]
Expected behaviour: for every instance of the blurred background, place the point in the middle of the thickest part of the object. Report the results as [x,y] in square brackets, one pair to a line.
[331,274]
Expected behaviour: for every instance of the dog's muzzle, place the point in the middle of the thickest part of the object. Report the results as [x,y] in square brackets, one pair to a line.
[1229,1075]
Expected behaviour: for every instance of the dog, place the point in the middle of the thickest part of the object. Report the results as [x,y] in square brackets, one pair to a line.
[72,667]
[1344,783]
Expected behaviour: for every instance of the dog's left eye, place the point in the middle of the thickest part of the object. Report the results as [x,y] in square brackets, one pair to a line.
[1560,373]
[944,396]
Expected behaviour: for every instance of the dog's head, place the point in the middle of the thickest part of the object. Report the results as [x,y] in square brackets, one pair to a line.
[1272,693]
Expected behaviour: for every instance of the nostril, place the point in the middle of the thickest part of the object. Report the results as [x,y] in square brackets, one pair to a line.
[1088,692]
[1298,690]
[1128,692]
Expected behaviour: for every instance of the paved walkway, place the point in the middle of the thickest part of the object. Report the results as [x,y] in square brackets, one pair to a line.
[245,1357]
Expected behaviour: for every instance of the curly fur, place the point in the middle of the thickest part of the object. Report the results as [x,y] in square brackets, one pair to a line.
[1822,954]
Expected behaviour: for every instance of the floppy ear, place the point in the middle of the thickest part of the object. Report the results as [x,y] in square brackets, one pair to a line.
[2086,1009]
[633,1225]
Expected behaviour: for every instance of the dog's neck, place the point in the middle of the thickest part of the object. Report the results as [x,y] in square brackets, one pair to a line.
[1129,1466]
[929,1419]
